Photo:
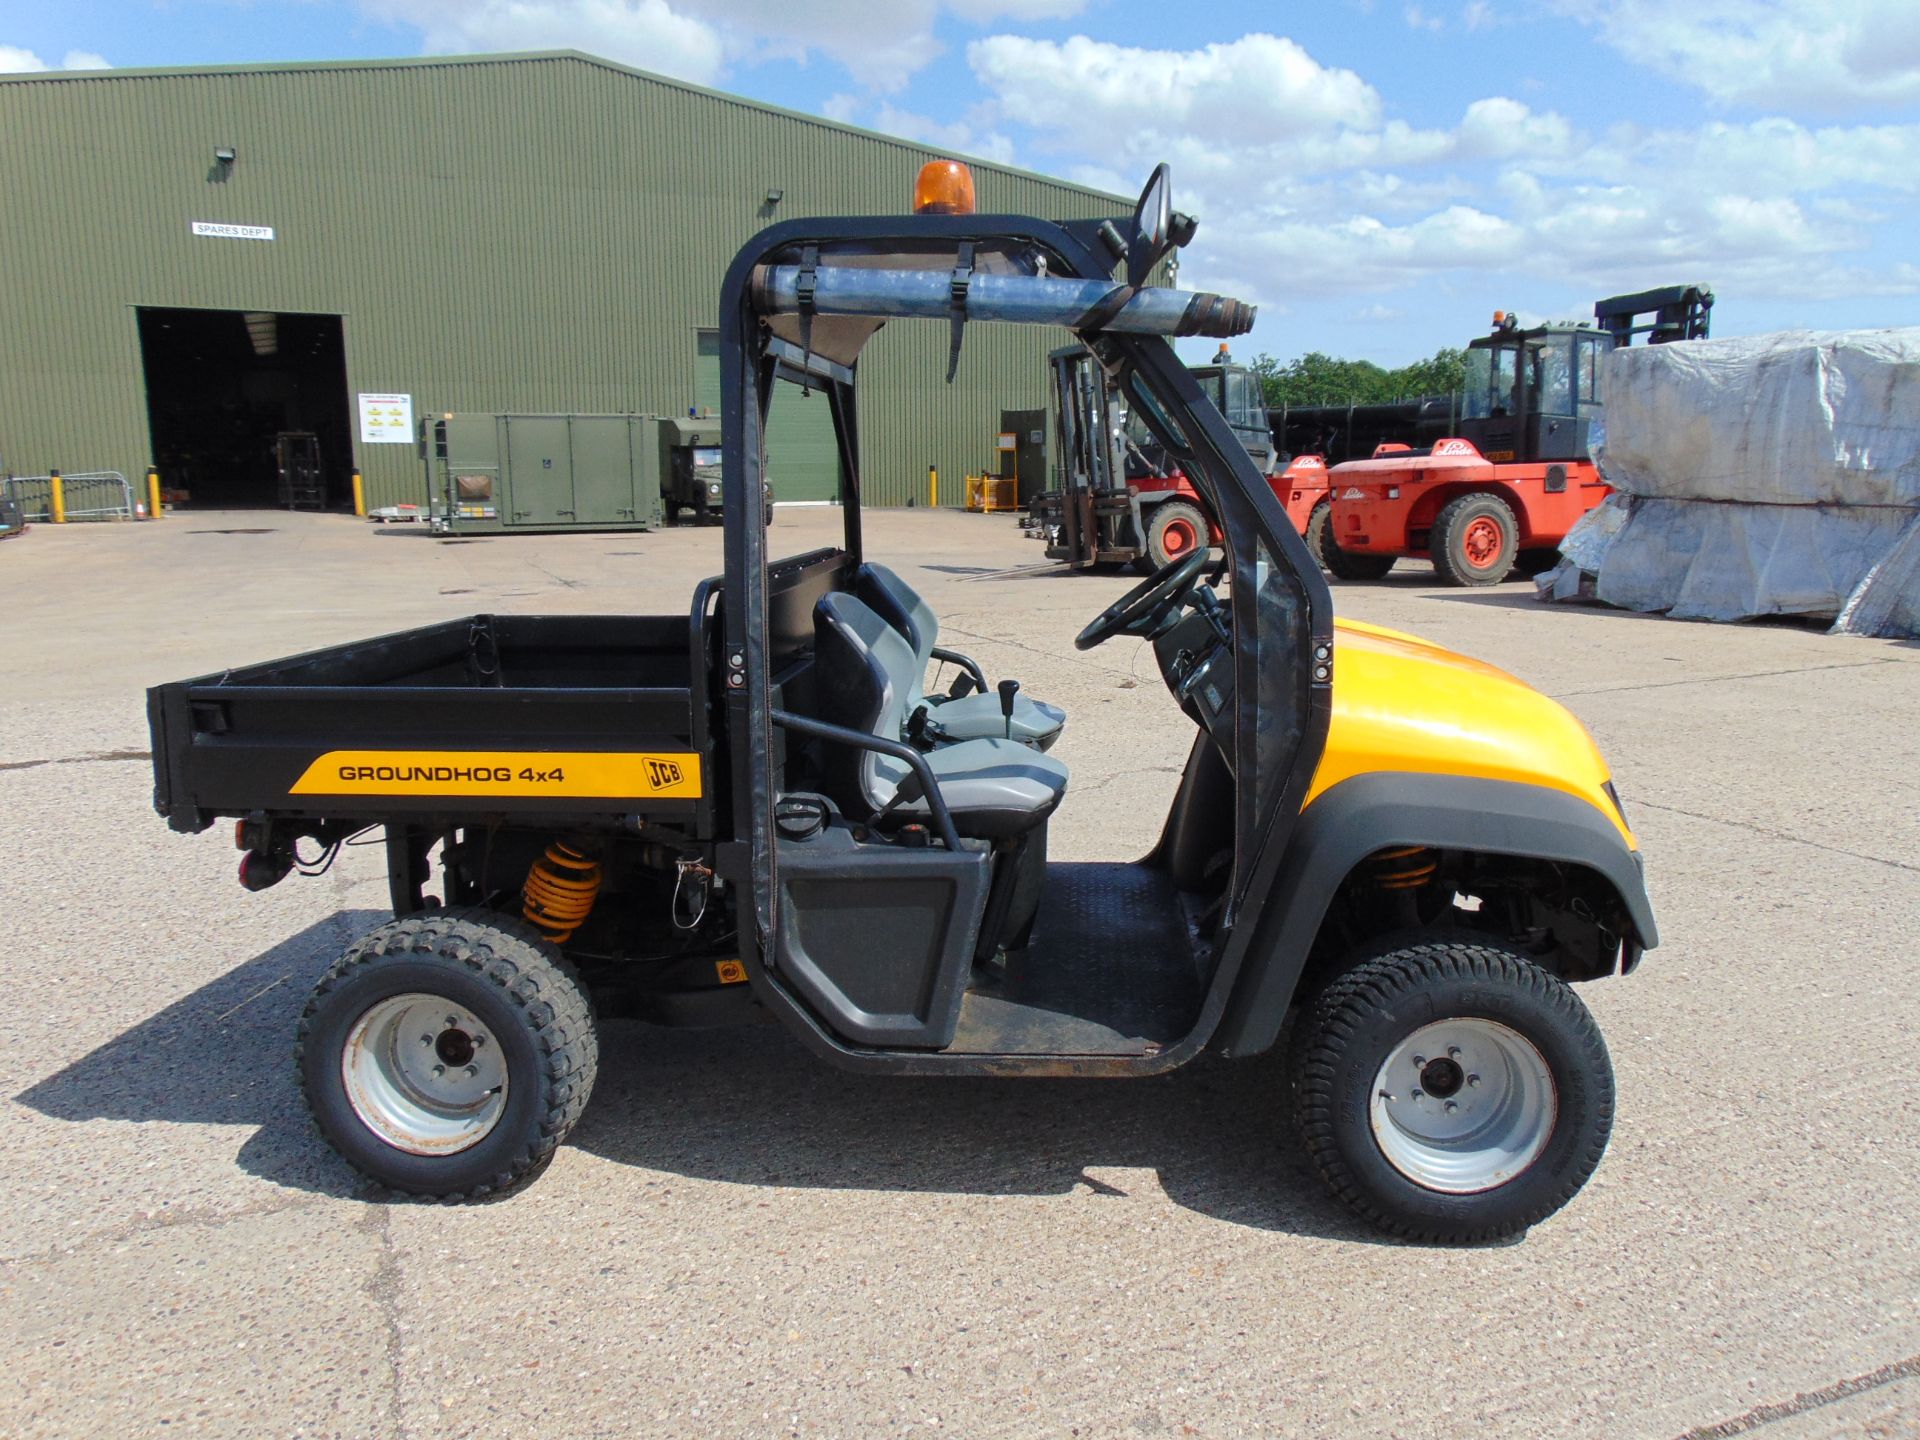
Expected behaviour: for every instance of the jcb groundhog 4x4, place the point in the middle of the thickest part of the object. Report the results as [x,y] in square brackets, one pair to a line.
[753,810]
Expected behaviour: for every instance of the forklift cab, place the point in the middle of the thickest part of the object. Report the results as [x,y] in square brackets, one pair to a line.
[1532,395]
[896,903]
[1236,393]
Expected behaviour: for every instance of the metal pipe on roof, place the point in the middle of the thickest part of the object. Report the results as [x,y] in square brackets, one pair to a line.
[1018,299]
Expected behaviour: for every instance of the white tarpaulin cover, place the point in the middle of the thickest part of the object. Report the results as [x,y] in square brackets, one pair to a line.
[1775,475]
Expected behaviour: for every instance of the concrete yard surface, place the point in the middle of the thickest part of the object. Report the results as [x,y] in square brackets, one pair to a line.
[741,1241]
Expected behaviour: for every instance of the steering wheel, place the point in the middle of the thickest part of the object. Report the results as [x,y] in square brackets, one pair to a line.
[1141,609]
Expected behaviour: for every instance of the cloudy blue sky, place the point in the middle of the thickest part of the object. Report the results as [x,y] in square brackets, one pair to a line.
[1378,174]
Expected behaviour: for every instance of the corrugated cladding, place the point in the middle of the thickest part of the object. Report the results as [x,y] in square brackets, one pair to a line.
[527,233]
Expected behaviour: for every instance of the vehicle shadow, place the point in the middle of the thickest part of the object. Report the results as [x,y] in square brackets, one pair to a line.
[743,1106]
[222,1055]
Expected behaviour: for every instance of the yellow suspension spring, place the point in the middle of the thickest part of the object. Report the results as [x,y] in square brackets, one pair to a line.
[560,891]
[1405,869]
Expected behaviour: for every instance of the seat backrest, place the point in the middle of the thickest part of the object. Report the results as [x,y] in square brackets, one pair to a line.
[900,605]
[866,672]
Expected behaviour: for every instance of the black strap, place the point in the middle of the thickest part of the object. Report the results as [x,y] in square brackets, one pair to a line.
[957,287]
[804,287]
[1109,305]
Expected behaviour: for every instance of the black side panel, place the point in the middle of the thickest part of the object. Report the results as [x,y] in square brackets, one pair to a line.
[794,587]
[1369,812]
[877,939]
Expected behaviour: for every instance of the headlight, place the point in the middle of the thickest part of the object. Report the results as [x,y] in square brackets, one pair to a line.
[713,487]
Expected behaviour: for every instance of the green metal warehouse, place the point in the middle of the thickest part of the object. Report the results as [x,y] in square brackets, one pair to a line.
[196,259]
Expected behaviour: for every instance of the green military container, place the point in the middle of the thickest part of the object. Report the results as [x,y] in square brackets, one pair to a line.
[495,473]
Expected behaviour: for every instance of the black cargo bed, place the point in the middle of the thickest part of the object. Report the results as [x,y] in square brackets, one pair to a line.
[508,715]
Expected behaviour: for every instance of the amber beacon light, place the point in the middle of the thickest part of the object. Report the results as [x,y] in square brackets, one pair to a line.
[945,187]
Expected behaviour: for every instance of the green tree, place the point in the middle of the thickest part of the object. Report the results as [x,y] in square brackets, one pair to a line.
[1320,379]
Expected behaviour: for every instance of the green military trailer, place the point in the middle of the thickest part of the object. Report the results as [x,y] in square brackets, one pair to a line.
[488,474]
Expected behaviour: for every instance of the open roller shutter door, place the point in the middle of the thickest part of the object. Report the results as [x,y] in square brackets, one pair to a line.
[803,459]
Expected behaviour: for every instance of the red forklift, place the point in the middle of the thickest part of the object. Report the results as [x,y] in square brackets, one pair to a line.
[1501,492]
[1118,499]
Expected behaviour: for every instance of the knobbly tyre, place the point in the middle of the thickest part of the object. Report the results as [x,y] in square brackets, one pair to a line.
[755,811]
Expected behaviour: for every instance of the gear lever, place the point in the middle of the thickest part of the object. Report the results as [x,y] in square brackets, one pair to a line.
[1008,689]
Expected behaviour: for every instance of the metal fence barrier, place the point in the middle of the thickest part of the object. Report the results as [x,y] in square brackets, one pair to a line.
[90,495]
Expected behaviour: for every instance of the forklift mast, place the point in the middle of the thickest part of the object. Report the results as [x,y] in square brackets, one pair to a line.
[1680,312]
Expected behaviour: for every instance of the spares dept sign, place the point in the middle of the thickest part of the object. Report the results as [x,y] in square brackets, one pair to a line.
[470,774]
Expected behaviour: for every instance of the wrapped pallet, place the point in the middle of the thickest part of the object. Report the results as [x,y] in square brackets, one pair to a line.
[1773,475]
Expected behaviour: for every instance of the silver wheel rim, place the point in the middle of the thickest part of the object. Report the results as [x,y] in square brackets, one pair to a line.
[424,1074]
[1463,1106]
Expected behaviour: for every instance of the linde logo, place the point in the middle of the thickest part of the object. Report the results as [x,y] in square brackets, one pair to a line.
[483,774]
[662,773]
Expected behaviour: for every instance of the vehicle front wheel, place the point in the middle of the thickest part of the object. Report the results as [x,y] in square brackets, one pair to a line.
[1174,531]
[1451,1090]
[1341,564]
[1475,541]
[448,1053]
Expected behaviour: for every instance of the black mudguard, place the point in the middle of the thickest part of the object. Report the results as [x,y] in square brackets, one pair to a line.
[1371,812]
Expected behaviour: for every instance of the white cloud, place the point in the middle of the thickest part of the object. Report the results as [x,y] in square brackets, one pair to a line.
[1420,19]
[1306,187]
[649,34]
[882,46]
[1086,93]
[14,61]
[1835,55]
[959,138]
[841,107]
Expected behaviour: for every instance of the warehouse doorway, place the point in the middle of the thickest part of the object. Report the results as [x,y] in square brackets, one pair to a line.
[224,385]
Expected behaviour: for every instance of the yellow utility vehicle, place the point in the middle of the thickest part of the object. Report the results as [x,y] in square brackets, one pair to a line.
[757,811]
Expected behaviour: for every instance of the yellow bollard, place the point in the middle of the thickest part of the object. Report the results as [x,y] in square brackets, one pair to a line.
[359,496]
[933,487]
[153,493]
[58,503]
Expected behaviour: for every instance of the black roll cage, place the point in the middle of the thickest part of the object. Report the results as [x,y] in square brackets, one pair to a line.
[1249,514]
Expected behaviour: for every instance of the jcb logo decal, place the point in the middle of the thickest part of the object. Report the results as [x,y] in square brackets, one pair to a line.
[662,774]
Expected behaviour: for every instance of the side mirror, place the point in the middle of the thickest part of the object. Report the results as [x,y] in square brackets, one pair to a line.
[1152,226]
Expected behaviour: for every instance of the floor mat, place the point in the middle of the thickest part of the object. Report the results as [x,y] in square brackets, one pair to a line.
[1110,970]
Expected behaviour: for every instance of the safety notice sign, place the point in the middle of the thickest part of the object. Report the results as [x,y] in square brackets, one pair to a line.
[386,419]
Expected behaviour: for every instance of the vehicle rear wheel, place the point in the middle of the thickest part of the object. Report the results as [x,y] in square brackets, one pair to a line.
[1341,564]
[448,1053]
[1451,1090]
[1475,541]
[1174,531]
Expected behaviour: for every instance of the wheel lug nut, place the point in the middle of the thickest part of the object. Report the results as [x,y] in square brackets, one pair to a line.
[439,1070]
[1419,1094]
[452,1021]
[1473,1079]
[426,1039]
[1418,1061]
[473,1070]
[1453,1052]
[1451,1107]
[478,1041]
